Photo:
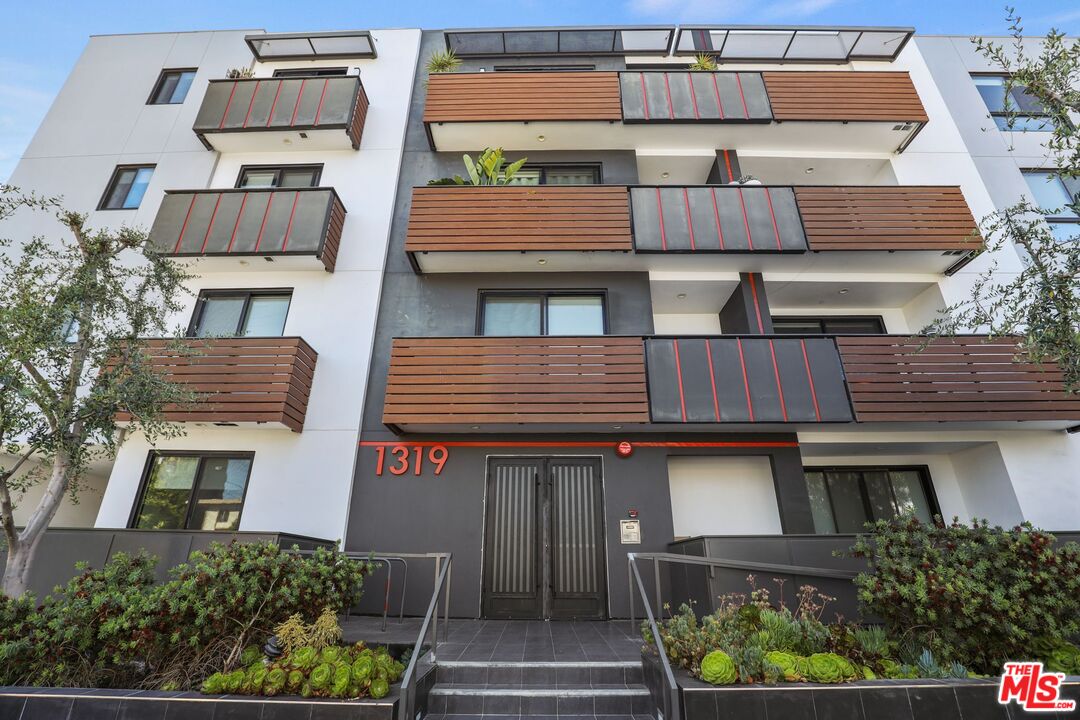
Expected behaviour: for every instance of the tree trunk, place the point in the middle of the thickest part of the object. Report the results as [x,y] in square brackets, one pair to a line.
[20,556]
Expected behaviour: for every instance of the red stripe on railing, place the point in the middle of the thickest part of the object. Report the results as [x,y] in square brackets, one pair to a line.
[270,115]
[776,372]
[228,104]
[322,97]
[660,207]
[644,95]
[689,218]
[746,112]
[745,380]
[757,304]
[716,89]
[239,215]
[266,213]
[712,380]
[776,230]
[288,228]
[184,226]
[210,227]
[746,221]
[716,214]
[810,377]
[299,94]
[667,91]
[678,373]
[251,103]
[693,95]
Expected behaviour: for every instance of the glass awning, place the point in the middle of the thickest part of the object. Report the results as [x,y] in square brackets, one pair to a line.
[561,41]
[311,46]
[737,43]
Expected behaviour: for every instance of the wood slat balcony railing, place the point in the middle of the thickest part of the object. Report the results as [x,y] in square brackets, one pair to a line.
[887,218]
[959,378]
[845,96]
[250,222]
[549,217]
[508,380]
[275,104]
[522,97]
[746,380]
[240,380]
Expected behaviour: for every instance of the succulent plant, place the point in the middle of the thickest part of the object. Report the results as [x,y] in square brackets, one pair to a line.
[787,663]
[321,676]
[294,681]
[363,668]
[339,686]
[275,682]
[717,668]
[303,658]
[251,655]
[826,668]
[379,688]
[215,684]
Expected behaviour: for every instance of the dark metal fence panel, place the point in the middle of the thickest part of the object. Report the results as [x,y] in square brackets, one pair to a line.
[686,96]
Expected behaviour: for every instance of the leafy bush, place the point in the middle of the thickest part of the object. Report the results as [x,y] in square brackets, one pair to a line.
[115,627]
[486,170]
[442,61]
[348,672]
[975,593]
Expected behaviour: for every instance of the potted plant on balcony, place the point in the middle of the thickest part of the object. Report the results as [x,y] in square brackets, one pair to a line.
[485,170]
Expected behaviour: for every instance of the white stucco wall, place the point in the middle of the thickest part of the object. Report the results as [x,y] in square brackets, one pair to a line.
[723,496]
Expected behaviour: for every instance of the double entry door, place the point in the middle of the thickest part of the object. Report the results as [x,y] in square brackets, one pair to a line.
[544,539]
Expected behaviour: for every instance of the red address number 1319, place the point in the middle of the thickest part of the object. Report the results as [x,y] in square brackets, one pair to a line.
[403,457]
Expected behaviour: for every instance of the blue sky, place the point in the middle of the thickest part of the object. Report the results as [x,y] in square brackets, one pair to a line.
[40,41]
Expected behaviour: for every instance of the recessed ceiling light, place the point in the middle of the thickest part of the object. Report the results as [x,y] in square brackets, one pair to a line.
[809,170]
[844,291]
[616,427]
[287,141]
[540,138]
[681,296]
[244,263]
[541,261]
[665,175]
[475,427]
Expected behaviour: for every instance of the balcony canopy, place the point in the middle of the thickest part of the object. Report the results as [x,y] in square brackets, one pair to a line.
[740,43]
[311,46]
[555,41]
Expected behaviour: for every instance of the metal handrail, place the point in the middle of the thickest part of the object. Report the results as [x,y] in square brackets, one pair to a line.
[671,695]
[763,567]
[407,699]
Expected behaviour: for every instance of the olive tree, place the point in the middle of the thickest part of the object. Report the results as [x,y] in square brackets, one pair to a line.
[74,312]
[1041,304]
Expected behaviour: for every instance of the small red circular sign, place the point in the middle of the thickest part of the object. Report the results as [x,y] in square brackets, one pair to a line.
[624,449]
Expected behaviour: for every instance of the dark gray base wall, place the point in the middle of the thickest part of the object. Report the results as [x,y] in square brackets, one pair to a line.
[445,512]
[75,704]
[61,548]
[863,700]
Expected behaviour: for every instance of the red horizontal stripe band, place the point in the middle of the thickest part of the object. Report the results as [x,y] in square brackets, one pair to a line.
[572,444]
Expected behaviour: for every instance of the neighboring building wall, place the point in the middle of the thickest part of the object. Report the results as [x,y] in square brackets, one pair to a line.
[78,511]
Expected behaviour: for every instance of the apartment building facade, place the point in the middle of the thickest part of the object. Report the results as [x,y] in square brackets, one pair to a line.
[686,325]
[691,314]
[275,189]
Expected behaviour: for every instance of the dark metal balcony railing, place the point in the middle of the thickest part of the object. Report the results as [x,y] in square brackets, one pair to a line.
[746,380]
[261,104]
[653,96]
[260,222]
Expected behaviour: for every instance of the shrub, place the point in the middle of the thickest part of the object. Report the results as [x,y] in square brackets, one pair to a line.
[978,594]
[115,628]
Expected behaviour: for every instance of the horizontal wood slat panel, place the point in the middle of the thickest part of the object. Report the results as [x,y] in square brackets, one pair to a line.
[844,96]
[522,96]
[548,217]
[959,378]
[245,379]
[887,218]
[516,380]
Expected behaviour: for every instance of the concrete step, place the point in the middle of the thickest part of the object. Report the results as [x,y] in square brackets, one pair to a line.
[548,674]
[532,700]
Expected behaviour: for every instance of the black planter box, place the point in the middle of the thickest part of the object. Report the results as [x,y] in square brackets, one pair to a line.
[93,704]
[863,700]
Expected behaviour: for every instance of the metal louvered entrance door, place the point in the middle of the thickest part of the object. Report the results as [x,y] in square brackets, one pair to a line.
[544,539]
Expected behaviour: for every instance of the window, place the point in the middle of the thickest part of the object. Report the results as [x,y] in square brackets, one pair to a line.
[1017,110]
[842,500]
[840,325]
[193,491]
[1060,197]
[311,72]
[172,87]
[126,187]
[557,175]
[271,176]
[240,314]
[541,313]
